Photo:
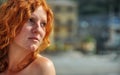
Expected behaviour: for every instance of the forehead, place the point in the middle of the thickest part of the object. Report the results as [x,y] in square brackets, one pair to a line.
[39,13]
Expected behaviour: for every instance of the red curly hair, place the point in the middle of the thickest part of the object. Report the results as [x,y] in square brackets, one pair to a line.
[13,15]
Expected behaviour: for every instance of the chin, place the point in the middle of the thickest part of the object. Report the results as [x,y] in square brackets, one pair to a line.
[33,48]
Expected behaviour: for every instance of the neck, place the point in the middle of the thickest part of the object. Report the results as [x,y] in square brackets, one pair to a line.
[18,57]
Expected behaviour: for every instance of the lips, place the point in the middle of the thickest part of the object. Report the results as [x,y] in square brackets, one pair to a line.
[34,38]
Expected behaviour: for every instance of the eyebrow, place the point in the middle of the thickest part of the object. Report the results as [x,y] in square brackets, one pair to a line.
[36,18]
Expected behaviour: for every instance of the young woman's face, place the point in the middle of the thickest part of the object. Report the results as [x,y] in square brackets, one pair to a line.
[33,32]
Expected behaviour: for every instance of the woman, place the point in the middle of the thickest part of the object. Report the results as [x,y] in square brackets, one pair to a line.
[25,26]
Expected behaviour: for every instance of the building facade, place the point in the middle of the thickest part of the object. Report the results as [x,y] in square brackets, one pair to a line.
[65,23]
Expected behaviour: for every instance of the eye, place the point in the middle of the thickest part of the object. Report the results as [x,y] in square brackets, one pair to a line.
[31,20]
[43,24]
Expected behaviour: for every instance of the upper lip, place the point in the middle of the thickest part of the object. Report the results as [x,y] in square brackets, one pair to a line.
[34,38]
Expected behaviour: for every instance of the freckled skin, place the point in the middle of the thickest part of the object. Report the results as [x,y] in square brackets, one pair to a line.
[32,29]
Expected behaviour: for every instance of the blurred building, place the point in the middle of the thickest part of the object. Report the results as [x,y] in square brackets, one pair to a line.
[76,20]
[93,22]
[100,19]
[65,26]
[113,42]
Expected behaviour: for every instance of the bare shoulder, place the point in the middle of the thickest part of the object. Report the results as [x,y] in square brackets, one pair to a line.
[44,66]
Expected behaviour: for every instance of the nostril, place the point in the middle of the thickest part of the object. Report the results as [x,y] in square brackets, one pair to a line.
[36,30]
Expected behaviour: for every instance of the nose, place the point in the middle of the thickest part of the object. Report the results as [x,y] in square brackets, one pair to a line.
[37,29]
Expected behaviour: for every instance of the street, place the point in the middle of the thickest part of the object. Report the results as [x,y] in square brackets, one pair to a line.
[75,63]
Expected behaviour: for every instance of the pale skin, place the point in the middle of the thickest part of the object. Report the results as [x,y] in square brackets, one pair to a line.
[27,41]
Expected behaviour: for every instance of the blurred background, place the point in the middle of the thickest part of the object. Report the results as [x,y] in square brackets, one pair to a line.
[86,37]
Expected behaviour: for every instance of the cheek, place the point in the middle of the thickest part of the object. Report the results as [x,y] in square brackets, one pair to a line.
[43,33]
[22,35]
[20,38]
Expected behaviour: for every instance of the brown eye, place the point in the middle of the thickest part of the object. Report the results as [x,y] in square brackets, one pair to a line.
[43,24]
[31,20]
